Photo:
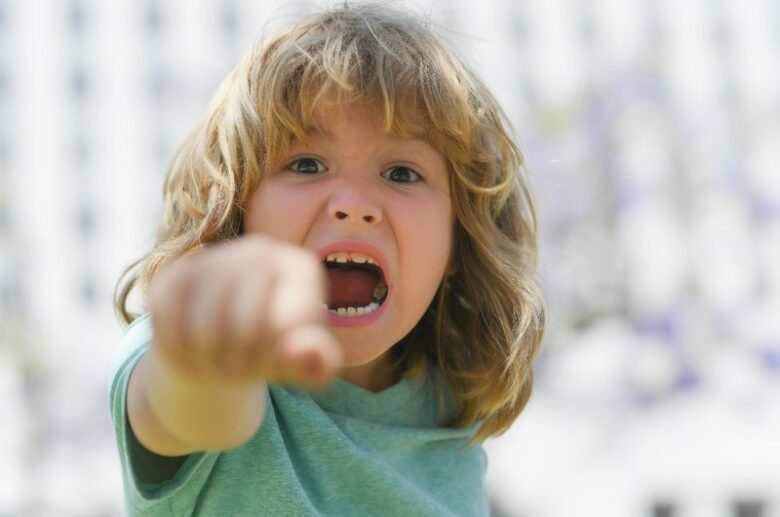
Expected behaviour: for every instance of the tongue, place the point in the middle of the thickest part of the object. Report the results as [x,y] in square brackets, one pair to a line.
[350,288]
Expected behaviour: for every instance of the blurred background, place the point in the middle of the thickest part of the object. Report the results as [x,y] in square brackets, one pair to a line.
[651,131]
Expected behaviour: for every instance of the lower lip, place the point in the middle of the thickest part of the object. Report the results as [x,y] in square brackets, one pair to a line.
[356,321]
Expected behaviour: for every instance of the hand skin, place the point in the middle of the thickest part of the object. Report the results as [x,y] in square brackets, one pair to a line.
[226,321]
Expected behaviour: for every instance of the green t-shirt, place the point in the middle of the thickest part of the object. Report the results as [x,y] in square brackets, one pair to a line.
[344,451]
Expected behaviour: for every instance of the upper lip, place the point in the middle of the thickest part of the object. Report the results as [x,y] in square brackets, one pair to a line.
[358,247]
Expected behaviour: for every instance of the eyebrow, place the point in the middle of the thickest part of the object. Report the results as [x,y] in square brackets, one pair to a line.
[323,132]
[312,130]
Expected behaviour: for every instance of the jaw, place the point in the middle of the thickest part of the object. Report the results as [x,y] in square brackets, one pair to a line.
[364,341]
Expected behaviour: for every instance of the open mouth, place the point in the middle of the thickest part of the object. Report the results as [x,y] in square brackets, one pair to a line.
[355,284]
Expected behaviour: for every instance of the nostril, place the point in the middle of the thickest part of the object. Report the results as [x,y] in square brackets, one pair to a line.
[343,215]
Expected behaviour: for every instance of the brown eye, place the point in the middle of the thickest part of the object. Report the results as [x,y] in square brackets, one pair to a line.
[306,166]
[401,174]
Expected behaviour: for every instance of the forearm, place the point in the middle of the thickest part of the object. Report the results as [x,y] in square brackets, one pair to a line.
[173,414]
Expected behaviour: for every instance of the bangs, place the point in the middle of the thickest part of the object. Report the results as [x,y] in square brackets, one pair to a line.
[402,117]
[392,66]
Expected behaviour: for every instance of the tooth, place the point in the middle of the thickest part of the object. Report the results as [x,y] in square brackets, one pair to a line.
[359,258]
[374,306]
[331,258]
[380,291]
[370,261]
[361,310]
[341,258]
[351,311]
[341,311]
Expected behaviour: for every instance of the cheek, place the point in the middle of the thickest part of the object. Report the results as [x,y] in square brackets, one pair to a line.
[428,240]
[279,211]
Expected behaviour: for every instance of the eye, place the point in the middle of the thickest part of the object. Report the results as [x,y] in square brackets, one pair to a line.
[401,174]
[306,166]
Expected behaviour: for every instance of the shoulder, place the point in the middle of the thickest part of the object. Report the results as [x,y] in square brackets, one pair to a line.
[137,336]
[153,485]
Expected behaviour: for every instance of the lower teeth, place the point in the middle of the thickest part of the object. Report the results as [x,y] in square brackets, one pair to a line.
[352,311]
[379,295]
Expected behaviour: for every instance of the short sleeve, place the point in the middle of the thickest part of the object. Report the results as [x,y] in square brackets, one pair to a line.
[176,496]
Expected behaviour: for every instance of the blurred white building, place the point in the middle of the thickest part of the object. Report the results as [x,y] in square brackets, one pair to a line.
[651,131]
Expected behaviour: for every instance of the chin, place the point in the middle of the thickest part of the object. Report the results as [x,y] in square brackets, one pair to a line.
[361,347]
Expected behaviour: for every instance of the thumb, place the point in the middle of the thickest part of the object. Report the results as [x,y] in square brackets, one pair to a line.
[310,354]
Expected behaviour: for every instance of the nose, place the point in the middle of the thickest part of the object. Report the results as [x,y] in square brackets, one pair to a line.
[353,206]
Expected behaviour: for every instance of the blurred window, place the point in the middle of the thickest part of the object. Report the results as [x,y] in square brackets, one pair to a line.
[749,508]
[154,17]
[664,509]
[86,221]
[229,18]
[11,292]
[79,83]
[76,16]
[88,290]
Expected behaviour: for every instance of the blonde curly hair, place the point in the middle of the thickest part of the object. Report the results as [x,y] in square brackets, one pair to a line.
[484,327]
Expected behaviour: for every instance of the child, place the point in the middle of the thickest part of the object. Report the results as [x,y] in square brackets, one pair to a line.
[341,296]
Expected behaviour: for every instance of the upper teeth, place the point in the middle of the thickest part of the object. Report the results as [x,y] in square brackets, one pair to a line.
[344,257]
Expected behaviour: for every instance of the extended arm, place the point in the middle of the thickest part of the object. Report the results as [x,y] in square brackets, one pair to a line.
[172,414]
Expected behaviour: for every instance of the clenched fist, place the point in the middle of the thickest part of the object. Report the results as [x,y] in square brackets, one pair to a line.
[248,310]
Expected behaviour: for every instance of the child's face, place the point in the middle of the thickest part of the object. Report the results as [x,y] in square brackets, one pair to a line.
[354,189]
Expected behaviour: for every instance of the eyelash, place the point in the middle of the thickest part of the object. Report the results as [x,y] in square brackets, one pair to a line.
[412,171]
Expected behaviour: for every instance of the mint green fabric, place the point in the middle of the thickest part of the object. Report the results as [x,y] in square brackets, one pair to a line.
[343,451]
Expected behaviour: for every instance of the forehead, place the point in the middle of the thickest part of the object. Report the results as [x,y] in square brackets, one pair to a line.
[349,124]
[327,119]
[345,127]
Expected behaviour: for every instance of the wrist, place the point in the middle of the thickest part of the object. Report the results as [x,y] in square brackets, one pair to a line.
[206,412]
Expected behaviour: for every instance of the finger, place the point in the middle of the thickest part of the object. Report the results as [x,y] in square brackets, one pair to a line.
[309,354]
[247,324]
[297,299]
[167,294]
[207,322]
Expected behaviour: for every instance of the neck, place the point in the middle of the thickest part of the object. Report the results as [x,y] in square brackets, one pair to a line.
[375,376]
